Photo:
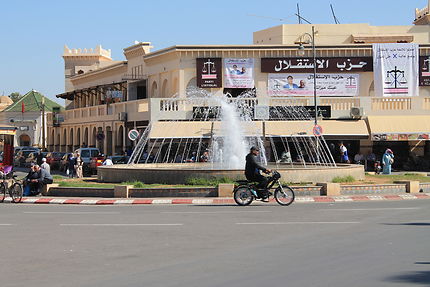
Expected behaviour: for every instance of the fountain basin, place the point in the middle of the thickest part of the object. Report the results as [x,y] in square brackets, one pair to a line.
[170,173]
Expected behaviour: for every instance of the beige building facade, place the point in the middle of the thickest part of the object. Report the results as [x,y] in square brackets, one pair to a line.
[105,99]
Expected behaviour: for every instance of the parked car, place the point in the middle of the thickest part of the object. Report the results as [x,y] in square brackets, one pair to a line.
[119,159]
[54,158]
[21,148]
[94,163]
[21,156]
[32,158]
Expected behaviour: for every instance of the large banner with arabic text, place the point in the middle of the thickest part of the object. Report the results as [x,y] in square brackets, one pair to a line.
[395,69]
[239,73]
[330,85]
[323,65]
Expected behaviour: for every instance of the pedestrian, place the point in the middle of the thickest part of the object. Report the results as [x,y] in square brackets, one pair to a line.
[371,159]
[39,157]
[38,178]
[343,153]
[71,165]
[45,165]
[387,161]
[78,166]
[359,158]
[107,161]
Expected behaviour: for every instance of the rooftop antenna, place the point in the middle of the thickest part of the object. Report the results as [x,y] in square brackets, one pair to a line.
[304,19]
[298,14]
[336,21]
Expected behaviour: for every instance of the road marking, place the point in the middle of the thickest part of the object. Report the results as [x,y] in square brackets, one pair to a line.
[5,224]
[215,212]
[71,212]
[121,224]
[366,209]
[298,222]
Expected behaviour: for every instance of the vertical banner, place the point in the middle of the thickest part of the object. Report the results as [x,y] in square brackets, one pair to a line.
[395,69]
[425,71]
[209,72]
[239,73]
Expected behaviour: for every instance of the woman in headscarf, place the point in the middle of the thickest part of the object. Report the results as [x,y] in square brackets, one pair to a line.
[387,161]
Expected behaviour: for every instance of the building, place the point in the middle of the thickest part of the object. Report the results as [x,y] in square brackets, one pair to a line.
[105,99]
[26,115]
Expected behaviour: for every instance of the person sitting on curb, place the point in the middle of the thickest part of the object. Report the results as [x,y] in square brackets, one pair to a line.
[36,179]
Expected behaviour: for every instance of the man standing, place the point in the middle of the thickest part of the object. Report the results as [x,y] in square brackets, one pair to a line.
[45,165]
[387,161]
[252,170]
[344,158]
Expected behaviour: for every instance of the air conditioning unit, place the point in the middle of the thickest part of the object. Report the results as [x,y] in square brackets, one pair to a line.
[261,113]
[356,112]
[122,116]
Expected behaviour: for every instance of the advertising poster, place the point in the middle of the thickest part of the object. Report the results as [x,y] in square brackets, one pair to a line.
[345,85]
[209,72]
[424,71]
[239,73]
[395,69]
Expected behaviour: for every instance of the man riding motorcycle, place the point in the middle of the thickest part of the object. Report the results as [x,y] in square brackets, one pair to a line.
[252,172]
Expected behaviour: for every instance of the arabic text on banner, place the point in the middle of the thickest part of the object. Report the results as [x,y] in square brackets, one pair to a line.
[395,69]
[303,85]
[239,73]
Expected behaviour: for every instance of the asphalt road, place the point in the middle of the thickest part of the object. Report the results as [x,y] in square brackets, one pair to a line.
[342,244]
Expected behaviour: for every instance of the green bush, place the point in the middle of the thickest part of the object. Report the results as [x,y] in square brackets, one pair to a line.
[343,179]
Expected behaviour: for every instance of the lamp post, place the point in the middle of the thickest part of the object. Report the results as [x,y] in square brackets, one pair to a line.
[301,52]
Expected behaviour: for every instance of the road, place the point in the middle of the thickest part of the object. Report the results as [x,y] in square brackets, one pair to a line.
[320,244]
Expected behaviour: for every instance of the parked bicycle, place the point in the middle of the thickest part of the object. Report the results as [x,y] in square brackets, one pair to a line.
[13,188]
[245,192]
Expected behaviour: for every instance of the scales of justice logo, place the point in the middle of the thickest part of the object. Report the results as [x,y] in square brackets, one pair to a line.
[395,82]
[209,70]
[426,68]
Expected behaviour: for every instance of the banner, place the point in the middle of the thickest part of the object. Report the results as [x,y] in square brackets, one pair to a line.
[395,69]
[303,85]
[424,71]
[239,73]
[209,72]
[324,65]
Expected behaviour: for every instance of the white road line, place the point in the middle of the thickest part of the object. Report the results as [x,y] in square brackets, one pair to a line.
[370,209]
[71,212]
[5,224]
[215,212]
[298,222]
[121,224]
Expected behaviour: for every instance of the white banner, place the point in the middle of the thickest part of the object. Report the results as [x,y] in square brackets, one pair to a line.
[239,73]
[395,69]
[303,85]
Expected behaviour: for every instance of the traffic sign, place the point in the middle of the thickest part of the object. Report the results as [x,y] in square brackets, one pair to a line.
[317,130]
[133,135]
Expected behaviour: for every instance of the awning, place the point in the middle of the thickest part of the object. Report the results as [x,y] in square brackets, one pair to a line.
[399,127]
[356,128]
[7,130]
[180,130]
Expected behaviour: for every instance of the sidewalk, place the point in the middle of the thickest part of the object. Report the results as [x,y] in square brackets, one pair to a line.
[212,201]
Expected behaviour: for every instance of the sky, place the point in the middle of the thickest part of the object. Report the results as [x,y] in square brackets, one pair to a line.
[34,32]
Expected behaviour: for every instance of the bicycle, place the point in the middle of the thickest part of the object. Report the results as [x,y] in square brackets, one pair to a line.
[15,190]
[246,192]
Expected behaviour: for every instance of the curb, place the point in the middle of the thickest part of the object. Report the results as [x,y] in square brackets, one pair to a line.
[213,201]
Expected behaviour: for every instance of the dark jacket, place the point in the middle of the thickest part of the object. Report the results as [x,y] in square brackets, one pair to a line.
[252,168]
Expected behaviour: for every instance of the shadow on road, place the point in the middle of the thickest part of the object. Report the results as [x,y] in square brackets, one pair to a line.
[416,277]
[410,223]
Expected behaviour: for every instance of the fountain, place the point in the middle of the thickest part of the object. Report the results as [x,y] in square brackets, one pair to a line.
[215,138]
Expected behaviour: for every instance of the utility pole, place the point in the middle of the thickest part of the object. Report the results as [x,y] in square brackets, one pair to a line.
[43,124]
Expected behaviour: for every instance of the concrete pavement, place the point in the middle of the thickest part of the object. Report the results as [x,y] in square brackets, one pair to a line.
[374,243]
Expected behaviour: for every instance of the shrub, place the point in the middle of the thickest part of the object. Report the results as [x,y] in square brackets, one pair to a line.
[343,179]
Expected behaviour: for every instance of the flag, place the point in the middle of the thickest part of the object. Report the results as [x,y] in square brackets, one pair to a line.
[22,107]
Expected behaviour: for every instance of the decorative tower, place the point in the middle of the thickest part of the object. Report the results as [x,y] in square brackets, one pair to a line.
[422,16]
[79,61]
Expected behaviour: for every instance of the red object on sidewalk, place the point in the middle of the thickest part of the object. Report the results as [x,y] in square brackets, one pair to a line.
[22,107]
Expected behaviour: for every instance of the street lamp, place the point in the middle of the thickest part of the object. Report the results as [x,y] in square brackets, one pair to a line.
[301,52]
